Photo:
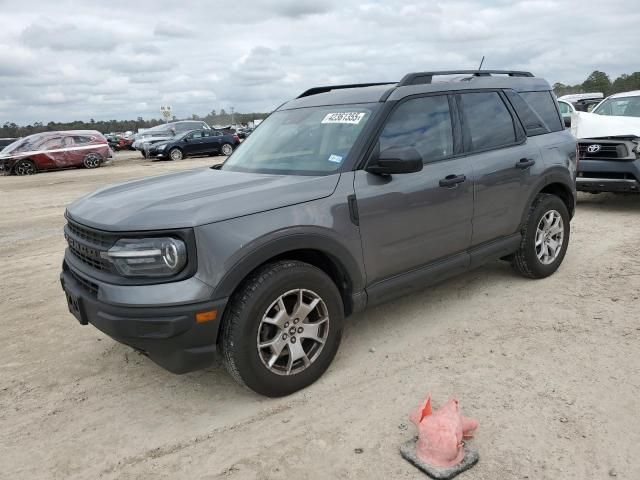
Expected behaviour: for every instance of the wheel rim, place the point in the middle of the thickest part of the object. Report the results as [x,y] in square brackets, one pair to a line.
[293,332]
[25,168]
[227,150]
[549,237]
[176,155]
[92,161]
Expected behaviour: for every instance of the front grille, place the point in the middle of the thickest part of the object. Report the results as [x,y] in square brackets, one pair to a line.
[87,244]
[605,151]
[88,285]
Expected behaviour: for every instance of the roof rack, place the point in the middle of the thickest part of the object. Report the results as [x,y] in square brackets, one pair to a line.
[328,88]
[419,78]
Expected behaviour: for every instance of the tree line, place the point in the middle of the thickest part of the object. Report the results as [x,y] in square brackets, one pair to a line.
[222,118]
[600,82]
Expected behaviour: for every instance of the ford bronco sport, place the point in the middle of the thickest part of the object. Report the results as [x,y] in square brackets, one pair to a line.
[343,198]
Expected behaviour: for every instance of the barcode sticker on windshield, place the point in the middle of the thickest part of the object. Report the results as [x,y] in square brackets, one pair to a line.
[344,117]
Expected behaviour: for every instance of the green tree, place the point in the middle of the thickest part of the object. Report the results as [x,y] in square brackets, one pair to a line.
[597,82]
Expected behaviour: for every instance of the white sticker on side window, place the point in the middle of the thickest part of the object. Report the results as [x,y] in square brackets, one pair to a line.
[344,117]
[335,158]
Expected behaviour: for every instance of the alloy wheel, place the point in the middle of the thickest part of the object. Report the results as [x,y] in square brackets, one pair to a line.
[92,160]
[293,332]
[25,168]
[176,154]
[549,237]
[227,149]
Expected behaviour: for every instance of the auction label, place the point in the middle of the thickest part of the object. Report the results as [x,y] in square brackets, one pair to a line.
[344,117]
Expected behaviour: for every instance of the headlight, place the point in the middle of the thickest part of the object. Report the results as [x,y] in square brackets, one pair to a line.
[147,257]
[160,147]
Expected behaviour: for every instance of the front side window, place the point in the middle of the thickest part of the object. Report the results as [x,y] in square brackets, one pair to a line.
[564,108]
[421,123]
[52,144]
[195,135]
[303,141]
[488,120]
[621,106]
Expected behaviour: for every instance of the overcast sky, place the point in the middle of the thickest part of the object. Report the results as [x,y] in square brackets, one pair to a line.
[65,60]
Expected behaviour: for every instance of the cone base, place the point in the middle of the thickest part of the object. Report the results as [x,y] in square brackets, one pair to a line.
[408,452]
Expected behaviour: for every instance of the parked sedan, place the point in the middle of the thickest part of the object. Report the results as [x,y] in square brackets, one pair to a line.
[53,150]
[195,142]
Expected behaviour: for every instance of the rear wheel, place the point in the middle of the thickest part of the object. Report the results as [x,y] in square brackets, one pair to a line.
[545,238]
[282,328]
[227,149]
[25,167]
[175,154]
[92,160]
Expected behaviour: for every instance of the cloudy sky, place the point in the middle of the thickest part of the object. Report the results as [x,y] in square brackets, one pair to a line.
[64,60]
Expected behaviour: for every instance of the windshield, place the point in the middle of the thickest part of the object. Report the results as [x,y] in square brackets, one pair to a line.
[305,141]
[24,144]
[620,106]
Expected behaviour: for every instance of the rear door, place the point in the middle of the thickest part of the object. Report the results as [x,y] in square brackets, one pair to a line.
[505,166]
[412,220]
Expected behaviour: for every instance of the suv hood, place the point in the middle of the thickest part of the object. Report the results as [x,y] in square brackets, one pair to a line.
[194,197]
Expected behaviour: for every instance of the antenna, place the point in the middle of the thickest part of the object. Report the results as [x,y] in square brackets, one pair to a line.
[481,62]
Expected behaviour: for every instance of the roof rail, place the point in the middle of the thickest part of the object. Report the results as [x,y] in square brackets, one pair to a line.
[328,88]
[419,78]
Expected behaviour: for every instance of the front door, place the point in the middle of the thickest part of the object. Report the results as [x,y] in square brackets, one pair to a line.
[412,220]
[195,144]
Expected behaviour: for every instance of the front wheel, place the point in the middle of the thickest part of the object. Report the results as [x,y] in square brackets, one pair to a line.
[545,238]
[282,328]
[175,154]
[25,167]
[227,149]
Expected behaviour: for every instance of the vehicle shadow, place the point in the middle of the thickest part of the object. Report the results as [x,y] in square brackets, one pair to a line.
[608,201]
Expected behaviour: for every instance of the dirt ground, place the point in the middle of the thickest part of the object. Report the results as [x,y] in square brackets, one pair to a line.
[550,368]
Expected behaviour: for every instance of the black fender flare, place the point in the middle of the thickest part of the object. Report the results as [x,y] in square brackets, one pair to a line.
[559,176]
[278,243]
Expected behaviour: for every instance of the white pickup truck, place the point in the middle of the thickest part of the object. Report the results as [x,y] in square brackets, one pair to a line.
[609,145]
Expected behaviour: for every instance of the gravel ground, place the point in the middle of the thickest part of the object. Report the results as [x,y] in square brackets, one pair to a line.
[550,368]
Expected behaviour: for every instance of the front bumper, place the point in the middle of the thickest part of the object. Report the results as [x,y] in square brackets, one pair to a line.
[168,335]
[154,152]
[608,176]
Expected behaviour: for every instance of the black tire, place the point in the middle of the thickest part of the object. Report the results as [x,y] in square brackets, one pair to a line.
[175,152]
[92,160]
[525,261]
[25,167]
[239,335]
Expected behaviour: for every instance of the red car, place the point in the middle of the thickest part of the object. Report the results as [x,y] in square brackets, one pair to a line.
[53,150]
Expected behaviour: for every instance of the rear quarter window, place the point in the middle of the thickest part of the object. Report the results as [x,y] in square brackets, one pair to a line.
[544,104]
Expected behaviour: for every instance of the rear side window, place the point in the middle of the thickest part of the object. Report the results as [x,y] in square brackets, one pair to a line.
[488,120]
[421,123]
[545,106]
[531,121]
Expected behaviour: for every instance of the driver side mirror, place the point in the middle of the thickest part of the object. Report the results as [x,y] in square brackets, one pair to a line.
[185,139]
[395,160]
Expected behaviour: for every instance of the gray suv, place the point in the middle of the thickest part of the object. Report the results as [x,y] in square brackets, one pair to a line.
[343,198]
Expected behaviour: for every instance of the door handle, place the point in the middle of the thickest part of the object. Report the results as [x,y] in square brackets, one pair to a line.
[452,180]
[525,163]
